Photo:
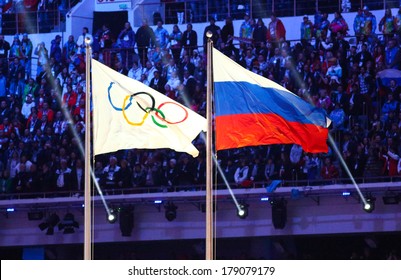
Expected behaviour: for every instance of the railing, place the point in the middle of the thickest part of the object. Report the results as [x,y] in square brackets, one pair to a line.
[16,19]
[287,184]
[194,11]
[31,22]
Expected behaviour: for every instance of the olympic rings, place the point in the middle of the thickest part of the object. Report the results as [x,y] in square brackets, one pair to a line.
[147,110]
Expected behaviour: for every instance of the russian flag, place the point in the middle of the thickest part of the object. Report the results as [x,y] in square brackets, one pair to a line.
[251,110]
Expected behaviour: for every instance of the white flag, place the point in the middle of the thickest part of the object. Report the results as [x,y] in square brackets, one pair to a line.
[128,114]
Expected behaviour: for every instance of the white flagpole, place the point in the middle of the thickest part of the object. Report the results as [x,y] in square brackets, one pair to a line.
[209,162]
[87,201]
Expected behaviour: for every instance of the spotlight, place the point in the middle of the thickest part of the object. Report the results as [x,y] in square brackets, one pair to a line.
[68,224]
[242,211]
[369,206]
[126,218]
[112,216]
[50,223]
[171,211]
[279,213]
[391,199]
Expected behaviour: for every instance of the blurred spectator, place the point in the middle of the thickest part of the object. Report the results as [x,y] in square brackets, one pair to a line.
[259,34]
[138,176]
[313,166]
[398,23]
[63,177]
[216,33]
[158,82]
[81,42]
[246,28]
[22,182]
[329,171]
[148,71]
[124,175]
[171,173]
[26,54]
[43,57]
[55,49]
[334,73]
[388,25]
[174,82]
[127,43]
[145,38]
[4,49]
[392,55]
[338,118]
[321,26]
[3,85]
[70,48]
[190,40]
[120,68]
[69,98]
[275,31]
[358,24]
[368,24]
[186,65]
[391,105]
[306,29]
[175,38]
[338,25]
[16,78]
[109,179]
[135,72]
[394,89]
[15,48]
[242,173]
[200,170]
[27,106]
[227,37]
[144,79]
[185,171]
[161,36]
[363,56]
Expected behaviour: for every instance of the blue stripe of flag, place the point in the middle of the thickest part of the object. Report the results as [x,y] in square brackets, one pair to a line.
[246,98]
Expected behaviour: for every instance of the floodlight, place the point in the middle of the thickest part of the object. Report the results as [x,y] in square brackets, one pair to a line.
[68,224]
[126,220]
[242,211]
[369,206]
[279,213]
[50,223]
[171,211]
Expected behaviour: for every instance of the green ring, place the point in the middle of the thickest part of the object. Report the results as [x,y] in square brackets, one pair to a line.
[153,118]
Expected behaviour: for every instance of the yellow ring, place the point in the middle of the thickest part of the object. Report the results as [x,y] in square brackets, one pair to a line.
[126,118]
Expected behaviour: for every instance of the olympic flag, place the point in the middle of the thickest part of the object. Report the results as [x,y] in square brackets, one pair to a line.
[251,110]
[128,114]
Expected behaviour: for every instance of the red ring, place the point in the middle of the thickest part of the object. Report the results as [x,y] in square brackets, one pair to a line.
[161,105]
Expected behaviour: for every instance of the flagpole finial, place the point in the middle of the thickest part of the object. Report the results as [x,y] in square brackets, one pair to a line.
[209,34]
[88,41]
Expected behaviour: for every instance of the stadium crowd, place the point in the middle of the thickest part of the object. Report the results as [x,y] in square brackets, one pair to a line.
[39,151]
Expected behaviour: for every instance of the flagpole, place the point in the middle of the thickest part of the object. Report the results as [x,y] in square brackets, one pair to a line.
[209,162]
[87,201]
